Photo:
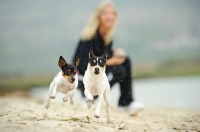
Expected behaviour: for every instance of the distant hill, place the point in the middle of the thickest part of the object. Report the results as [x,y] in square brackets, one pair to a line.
[33,34]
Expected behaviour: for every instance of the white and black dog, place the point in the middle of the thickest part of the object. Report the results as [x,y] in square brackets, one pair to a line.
[96,82]
[66,81]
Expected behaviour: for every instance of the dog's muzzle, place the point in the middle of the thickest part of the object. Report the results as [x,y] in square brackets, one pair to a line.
[96,70]
[72,80]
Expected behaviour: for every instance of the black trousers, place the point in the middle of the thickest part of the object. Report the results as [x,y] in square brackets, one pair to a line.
[121,75]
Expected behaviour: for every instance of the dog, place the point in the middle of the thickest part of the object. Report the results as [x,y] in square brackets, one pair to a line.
[96,83]
[66,81]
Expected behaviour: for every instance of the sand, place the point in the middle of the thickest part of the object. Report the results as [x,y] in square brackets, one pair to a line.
[27,114]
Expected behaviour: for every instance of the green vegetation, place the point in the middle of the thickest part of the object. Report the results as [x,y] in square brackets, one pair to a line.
[169,68]
[166,69]
[24,82]
[85,120]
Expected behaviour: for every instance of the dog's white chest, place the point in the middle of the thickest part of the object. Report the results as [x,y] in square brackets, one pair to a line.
[95,83]
[63,85]
[66,87]
[63,88]
[93,89]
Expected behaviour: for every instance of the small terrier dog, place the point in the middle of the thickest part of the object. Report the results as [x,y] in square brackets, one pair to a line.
[96,83]
[66,81]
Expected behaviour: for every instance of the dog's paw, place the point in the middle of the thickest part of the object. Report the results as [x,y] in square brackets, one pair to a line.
[47,106]
[90,99]
[89,105]
[52,97]
[65,100]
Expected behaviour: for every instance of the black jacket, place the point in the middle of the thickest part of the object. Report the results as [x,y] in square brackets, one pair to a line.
[83,48]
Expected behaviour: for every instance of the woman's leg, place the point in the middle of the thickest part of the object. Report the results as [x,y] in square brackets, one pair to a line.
[81,87]
[126,85]
[118,74]
[122,74]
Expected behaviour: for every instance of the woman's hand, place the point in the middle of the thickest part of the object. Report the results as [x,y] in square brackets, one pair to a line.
[115,61]
[118,58]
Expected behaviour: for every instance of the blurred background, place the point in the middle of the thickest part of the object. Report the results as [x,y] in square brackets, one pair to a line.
[161,37]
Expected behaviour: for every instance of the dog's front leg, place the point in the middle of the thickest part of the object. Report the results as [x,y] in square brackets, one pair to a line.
[89,97]
[53,95]
[87,93]
[71,95]
[48,101]
[49,94]
[107,100]
[97,112]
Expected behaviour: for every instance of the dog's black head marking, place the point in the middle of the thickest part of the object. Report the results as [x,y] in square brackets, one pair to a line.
[68,70]
[97,62]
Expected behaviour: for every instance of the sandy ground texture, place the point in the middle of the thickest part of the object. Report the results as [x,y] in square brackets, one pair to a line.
[27,114]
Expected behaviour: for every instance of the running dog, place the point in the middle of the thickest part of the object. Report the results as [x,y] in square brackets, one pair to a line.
[66,81]
[96,83]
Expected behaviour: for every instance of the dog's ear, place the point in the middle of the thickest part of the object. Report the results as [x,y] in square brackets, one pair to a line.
[77,61]
[91,53]
[61,62]
[105,54]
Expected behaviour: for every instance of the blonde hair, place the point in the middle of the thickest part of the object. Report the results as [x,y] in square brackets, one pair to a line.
[93,23]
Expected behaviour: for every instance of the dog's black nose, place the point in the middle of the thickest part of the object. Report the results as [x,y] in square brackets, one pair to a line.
[73,79]
[96,69]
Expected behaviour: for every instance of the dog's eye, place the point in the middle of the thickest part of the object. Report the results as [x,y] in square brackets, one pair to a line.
[101,63]
[68,72]
[94,61]
[75,71]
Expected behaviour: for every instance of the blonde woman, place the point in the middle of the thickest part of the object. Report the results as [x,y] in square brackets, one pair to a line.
[98,33]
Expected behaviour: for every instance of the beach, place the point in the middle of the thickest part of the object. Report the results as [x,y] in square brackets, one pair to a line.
[27,113]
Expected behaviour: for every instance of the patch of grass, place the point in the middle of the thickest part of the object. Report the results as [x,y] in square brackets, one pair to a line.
[169,68]
[24,82]
[84,120]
